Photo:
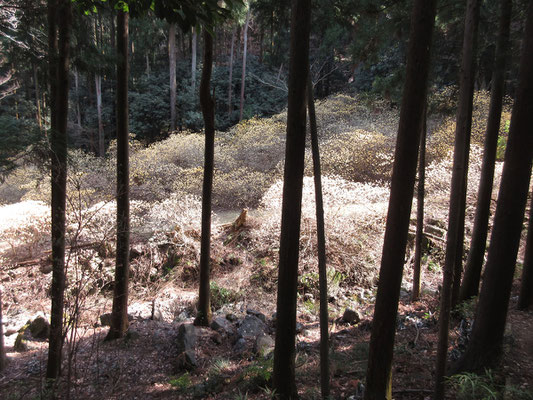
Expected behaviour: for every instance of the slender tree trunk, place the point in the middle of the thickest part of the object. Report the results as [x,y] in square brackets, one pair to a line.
[485,346]
[379,373]
[474,263]
[77,92]
[2,349]
[60,21]
[420,210]
[119,314]
[261,40]
[37,97]
[101,138]
[525,299]
[172,62]
[321,241]
[244,53]
[230,79]
[454,242]
[463,127]
[193,59]
[283,376]
[208,110]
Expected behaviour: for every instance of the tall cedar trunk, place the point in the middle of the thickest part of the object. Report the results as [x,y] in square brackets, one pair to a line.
[59,17]
[119,315]
[244,53]
[283,376]
[2,350]
[485,345]
[230,79]
[378,378]
[420,209]
[77,92]
[525,299]
[321,241]
[37,97]
[208,110]
[193,59]
[98,90]
[474,263]
[463,127]
[172,67]
[454,242]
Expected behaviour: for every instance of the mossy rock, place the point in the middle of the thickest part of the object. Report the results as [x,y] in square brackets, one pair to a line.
[20,343]
[40,328]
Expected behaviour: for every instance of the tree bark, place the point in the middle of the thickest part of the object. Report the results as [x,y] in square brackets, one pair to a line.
[98,90]
[283,376]
[244,53]
[321,241]
[119,314]
[420,210]
[455,236]
[60,21]
[172,64]
[230,79]
[485,345]
[474,263]
[37,97]
[208,110]
[193,59]
[2,349]
[378,378]
[525,299]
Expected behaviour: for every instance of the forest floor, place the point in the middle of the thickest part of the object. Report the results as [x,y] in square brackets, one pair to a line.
[143,364]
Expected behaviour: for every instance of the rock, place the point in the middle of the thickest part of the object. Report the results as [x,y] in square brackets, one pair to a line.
[351,317]
[20,343]
[217,338]
[186,339]
[309,297]
[264,345]
[222,325]
[240,346]
[187,360]
[231,317]
[257,314]
[251,327]
[299,327]
[136,251]
[40,328]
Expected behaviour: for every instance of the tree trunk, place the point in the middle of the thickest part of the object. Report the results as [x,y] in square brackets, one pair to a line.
[60,21]
[244,53]
[37,97]
[230,79]
[485,345]
[208,110]
[193,59]
[283,376]
[119,314]
[525,299]
[474,263]
[77,92]
[2,349]
[321,241]
[454,242]
[101,139]
[420,210]
[378,378]
[172,62]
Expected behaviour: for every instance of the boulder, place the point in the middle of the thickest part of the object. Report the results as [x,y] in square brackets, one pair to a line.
[264,345]
[257,314]
[39,328]
[186,339]
[222,325]
[351,317]
[251,327]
